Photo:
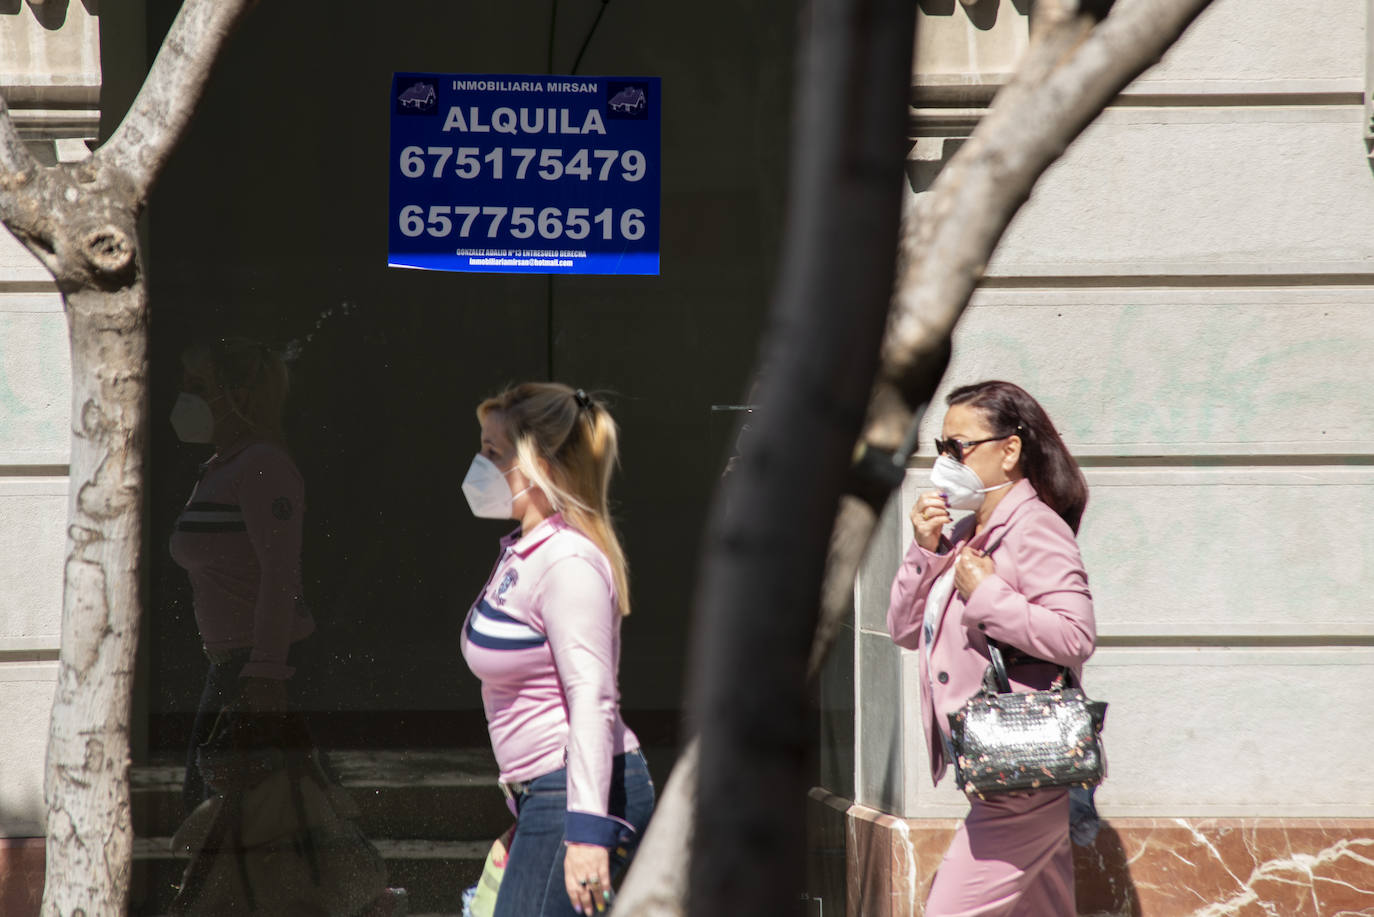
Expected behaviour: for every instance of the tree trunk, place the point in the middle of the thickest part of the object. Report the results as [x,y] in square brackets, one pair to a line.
[80,221]
[90,836]
[757,604]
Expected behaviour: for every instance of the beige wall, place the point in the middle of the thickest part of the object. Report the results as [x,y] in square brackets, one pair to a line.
[50,76]
[1190,292]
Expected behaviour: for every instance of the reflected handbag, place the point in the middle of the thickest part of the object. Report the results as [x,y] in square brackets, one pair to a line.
[281,837]
[1005,740]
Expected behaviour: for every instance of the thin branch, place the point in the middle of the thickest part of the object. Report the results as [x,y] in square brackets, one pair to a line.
[1070,73]
[14,156]
[1073,69]
[159,116]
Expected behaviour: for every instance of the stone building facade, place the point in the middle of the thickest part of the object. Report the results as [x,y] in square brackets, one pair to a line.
[1190,293]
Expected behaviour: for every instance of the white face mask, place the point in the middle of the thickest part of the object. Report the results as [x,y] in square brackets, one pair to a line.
[192,419]
[487,491]
[960,484]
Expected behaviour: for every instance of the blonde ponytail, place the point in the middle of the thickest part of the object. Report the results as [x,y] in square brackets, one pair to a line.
[578,441]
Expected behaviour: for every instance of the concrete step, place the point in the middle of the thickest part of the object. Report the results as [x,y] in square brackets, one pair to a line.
[433,873]
[438,795]
[432,814]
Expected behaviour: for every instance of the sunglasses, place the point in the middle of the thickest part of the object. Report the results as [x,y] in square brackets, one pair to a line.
[958,448]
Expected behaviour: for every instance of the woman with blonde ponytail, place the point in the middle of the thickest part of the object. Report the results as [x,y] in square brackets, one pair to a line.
[544,638]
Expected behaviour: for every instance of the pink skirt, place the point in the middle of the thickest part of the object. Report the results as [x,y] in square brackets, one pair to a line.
[1010,858]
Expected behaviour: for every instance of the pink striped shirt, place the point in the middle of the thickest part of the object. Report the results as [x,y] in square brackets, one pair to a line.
[239,538]
[544,638]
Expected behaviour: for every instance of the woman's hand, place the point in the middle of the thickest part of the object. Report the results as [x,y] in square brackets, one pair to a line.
[929,517]
[587,875]
[970,569]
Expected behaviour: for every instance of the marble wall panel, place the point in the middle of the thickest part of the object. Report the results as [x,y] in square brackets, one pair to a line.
[838,691]
[1192,730]
[1176,867]
[1270,46]
[17,266]
[33,514]
[874,583]
[881,716]
[1296,868]
[26,691]
[1186,371]
[1207,553]
[21,876]
[35,387]
[1222,732]
[1246,190]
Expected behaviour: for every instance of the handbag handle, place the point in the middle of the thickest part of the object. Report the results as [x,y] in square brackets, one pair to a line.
[999,665]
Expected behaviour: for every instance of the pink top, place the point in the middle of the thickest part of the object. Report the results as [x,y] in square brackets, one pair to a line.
[239,538]
[1037,601]
[544,638]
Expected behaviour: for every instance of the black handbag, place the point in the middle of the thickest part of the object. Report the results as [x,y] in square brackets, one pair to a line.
[1005,740]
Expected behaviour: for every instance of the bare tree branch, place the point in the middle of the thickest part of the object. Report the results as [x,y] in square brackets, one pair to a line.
[1072,70]
[156,121]
[1075,66]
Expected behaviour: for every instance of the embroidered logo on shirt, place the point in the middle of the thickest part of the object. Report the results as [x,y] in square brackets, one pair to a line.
[281,508]
[507,582]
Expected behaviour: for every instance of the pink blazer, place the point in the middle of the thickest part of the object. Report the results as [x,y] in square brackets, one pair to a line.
[1036,601]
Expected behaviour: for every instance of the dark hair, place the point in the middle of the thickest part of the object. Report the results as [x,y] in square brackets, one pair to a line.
[1045,460]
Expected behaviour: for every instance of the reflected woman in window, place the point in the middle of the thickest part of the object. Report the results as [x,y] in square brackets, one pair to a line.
[1010,571]
[239,535]
[544,638]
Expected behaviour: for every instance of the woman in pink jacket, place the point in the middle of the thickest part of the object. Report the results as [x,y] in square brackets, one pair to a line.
[1010,571]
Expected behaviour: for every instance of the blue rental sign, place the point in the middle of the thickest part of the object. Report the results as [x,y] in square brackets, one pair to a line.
[524,174]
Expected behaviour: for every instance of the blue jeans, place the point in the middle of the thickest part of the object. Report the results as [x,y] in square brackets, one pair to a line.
[533,882]
[221,689]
